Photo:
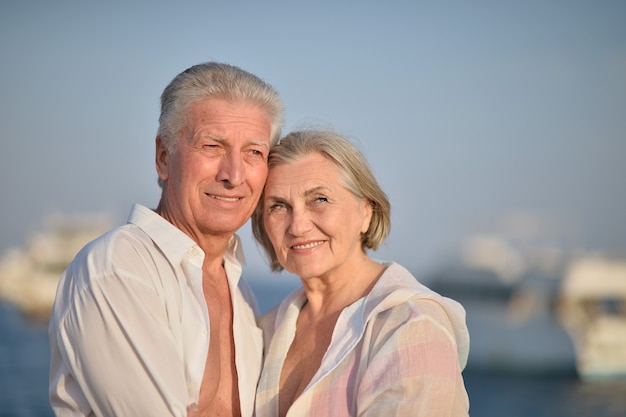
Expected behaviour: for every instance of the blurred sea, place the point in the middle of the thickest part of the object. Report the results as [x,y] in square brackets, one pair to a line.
[24,361]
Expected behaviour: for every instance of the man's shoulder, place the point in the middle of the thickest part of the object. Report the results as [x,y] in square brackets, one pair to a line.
[120,237]
[117,246]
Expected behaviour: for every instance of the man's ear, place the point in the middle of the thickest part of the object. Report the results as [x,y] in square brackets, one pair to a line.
[162,159]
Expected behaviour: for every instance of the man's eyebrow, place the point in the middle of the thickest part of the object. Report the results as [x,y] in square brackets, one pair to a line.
[213,137]
[259,143]
[222,139]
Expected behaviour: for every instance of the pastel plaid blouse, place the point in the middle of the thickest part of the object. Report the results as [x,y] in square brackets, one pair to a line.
[399,351]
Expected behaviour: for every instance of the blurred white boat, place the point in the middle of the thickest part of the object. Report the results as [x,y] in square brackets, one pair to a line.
[512,325]
[510,299]
[29,275]
[593,310]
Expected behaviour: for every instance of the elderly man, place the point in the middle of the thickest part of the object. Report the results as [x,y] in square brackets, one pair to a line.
[152,319]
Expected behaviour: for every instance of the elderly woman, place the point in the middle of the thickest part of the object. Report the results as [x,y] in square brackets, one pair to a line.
[360,338]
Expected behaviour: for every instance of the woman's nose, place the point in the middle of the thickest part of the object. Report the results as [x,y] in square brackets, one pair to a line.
[300,222]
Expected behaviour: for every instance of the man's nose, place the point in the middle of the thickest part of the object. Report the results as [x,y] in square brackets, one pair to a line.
[232,169]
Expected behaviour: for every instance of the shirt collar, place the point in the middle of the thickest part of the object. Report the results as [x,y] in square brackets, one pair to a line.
[394,287]
[174,243]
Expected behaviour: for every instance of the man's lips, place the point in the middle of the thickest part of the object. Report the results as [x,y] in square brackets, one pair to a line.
[224,198]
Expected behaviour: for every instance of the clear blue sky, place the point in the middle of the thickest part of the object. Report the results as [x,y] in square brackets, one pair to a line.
[469,112]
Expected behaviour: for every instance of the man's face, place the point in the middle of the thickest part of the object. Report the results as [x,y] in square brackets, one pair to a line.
[215,177]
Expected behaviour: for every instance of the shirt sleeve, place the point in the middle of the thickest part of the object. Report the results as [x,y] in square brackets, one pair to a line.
[413,366]
[118,355]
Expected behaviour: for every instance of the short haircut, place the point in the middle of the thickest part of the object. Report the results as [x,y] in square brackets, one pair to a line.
[214,80]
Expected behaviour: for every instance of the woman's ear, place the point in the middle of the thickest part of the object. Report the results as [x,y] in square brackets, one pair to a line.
[367,216]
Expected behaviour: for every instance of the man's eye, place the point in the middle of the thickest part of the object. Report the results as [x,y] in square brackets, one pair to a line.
[257,153]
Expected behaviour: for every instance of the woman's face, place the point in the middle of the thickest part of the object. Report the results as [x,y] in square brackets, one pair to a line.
[312,220]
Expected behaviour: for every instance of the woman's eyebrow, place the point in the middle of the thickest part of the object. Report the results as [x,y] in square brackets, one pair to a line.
[315,190]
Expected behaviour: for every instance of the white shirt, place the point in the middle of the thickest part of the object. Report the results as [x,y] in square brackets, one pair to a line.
[129,332]
[397,352]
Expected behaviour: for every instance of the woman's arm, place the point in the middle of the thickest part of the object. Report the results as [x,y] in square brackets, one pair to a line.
[413,367]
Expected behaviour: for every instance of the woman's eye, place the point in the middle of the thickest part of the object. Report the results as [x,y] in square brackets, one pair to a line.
[275,206]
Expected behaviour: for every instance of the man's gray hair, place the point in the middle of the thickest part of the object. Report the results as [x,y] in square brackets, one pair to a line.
[214,80]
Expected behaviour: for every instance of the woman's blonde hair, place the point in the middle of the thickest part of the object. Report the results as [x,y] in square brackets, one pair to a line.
[357,175]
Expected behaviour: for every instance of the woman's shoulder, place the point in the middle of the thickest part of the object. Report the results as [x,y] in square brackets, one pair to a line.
[404,302]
